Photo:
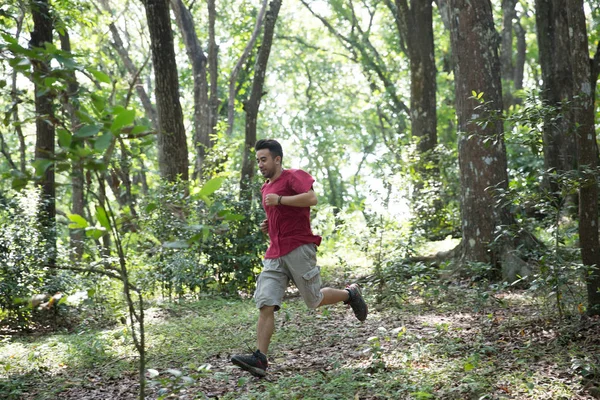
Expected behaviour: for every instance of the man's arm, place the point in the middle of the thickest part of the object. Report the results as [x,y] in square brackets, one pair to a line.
[307,199]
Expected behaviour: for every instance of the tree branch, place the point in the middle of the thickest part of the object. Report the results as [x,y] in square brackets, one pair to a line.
[238,66]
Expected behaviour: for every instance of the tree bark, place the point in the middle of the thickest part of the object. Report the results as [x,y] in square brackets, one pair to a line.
[77,236]
[238,66]
[45,132]
[172,144]
[554,44]
[202,107]
[118,45]
[253,103]
[482,154]
[417,24]
[583,117]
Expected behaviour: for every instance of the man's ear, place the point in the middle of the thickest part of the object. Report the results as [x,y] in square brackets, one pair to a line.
[277,160]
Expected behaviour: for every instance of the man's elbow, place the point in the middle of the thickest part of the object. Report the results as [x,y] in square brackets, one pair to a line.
[313,200]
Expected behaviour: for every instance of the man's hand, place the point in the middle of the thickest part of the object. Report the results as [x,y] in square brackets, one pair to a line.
[264,226]
[272,199]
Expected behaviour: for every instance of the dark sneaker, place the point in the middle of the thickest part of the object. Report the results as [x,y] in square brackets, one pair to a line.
[256,363]
[356,302]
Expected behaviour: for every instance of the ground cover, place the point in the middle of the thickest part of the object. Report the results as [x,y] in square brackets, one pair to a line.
[454,346]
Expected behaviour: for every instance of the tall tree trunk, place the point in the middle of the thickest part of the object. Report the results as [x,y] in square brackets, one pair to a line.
[202,108]
[172,144]
[506,48]
[77,236]
[416,25]
[481,150]
[45,133]
[583,115]
[252,105]
[238,66]
[554,44]
[118,45]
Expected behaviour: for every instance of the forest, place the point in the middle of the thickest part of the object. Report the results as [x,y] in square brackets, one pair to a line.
[454,150]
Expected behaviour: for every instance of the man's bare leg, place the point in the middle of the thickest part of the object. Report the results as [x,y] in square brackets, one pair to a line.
[332,296]
[265,328]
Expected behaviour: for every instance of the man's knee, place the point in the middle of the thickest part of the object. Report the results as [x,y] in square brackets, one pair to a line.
[267,310]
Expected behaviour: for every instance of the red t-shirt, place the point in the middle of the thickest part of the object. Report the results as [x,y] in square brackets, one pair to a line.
[289,227]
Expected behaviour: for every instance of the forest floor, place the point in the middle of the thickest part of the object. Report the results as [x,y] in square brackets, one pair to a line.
[460,343]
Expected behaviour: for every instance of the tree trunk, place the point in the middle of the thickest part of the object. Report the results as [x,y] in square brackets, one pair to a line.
[172,145]
[45,133]
[554,44]
[202,108]
[253,103]
[583,115]
[420,48]
[77,236]
[131,68]
[482,154]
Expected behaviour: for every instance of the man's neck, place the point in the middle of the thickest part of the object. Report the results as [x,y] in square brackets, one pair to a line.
[277,175]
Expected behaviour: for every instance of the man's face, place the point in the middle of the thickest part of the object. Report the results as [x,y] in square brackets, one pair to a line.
[266,164]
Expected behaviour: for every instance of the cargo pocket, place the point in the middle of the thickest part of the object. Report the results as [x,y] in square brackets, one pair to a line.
[312,287]
[312,273]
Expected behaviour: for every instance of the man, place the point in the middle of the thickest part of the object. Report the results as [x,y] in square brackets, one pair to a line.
[287,196]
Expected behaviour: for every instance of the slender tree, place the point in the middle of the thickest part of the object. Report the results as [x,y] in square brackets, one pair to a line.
[205,106]
[45,132]
[252,105]
[415,25]
[119,46]
[172,145]
[70,101]
[554,44]
[587,151]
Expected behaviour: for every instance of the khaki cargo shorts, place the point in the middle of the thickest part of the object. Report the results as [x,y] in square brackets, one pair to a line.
[300,265]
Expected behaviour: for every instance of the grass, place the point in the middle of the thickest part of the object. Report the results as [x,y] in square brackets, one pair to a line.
[432,342]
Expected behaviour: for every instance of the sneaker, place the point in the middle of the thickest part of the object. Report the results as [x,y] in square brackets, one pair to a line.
[356,302]
[256,363]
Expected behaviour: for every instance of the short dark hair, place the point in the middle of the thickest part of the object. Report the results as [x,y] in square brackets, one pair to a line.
[272,145]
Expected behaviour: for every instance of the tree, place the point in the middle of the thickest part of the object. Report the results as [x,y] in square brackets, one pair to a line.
[45,132]
[252,105]
[587,154]
[415,27]
[77,236]
[205,106]
[554,43]
[512,65]
[172,145]
[481,149]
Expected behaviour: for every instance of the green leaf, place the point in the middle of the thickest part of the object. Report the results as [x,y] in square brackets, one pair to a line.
[100,76]
[469,367]
[229,216]
[103,141]
[99,102]
[139,129]
[87,131]
[124,118]
[151,207]
[211,186]
[64,138]
[178,244]
[41,165]
[94,232]
[102,217]
[77,221]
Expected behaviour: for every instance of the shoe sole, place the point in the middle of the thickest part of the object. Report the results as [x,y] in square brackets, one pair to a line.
[258,372]
[366,308]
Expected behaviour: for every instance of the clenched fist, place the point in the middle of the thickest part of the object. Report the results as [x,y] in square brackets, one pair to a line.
[272,199]
[264,226]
